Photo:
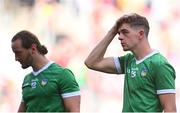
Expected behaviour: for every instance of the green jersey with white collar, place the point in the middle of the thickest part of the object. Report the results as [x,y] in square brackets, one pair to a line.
[144,81]
[43,91]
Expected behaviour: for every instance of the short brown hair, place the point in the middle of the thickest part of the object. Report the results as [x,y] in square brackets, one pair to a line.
[135,20]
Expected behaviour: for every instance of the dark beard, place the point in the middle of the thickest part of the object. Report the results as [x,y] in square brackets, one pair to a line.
[24,66]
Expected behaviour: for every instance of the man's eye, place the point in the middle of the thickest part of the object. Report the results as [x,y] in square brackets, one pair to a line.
[17,53]
[124,31]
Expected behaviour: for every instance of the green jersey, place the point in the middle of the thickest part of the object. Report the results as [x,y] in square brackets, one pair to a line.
[144,80]
[44,90]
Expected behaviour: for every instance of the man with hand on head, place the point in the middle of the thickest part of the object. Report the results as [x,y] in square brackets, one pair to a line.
[149,82]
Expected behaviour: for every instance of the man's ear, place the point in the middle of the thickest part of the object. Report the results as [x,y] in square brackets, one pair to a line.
[141,34]
[34,47]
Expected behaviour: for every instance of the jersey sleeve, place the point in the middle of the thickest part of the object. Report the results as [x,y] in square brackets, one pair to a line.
[117,65]
[68,85]
[165,79]
[121,63]
[25,84]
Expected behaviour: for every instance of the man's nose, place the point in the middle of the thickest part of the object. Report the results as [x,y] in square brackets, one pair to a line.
[16,58]
[120,37]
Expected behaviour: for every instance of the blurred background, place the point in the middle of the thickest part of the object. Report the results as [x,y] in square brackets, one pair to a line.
[70,29]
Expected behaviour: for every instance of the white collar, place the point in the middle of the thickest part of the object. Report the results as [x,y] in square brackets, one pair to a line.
[147,56]
[35,73]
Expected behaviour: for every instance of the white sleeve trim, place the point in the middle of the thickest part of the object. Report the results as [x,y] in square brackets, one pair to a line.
[164,91]
[66,95]
[117,64]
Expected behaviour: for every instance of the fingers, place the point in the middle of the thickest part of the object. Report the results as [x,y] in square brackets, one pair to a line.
[115,27]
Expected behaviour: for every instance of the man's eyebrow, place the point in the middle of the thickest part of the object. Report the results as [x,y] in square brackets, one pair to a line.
[17,51]
[123,30]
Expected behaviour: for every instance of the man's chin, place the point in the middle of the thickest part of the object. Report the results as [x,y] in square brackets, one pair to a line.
[24,67]
[124,49]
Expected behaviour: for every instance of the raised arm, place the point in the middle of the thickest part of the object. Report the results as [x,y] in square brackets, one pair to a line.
[96,60]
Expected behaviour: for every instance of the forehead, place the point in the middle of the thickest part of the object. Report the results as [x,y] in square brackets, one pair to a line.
[128,27]
[125,26]
[16,45]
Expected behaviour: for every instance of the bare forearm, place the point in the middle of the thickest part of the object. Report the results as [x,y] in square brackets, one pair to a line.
[98,52]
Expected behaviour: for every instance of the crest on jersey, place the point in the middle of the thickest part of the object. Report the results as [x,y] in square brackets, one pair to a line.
[44,81]
[144,72]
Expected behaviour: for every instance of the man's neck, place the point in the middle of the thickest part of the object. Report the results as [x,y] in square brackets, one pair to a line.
[39,62]
[141,51]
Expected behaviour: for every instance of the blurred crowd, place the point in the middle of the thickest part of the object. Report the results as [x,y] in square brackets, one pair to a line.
[70,29]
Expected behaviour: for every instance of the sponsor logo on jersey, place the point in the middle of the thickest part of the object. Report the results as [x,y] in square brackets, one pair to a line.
[144,72]
[33,84]
[44,81]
